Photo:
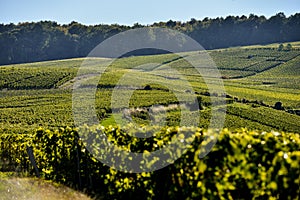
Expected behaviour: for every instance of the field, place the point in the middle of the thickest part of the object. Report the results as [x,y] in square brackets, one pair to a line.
[261,94]
[40,94]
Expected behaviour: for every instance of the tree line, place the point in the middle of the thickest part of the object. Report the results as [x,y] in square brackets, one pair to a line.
[48,40]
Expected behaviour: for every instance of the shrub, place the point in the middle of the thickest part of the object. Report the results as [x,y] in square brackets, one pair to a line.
[288,47]
[147,87]
[278,106]
[242,165]
[280,47]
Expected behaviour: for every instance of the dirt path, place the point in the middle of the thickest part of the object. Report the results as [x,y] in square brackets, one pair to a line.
[36,189]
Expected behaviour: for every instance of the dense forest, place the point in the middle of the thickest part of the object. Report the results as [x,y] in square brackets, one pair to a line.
[47,40]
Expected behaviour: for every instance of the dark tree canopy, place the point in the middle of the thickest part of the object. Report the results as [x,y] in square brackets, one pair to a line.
[47,40]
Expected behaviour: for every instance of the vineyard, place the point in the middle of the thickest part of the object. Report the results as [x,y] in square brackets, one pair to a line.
[256,155]
[243,165]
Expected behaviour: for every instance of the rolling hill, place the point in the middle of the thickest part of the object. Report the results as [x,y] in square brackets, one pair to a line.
[256,156]
[255,78]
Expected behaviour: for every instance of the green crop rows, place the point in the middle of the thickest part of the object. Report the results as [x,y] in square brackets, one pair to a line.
[252,159]
[243,164]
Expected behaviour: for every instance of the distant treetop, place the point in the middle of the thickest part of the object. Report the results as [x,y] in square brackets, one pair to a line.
[48,40]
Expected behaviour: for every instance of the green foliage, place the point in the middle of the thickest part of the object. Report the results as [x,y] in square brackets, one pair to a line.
[236,63]
[24,111]
[46,40]
[37,75]
[46,100]
[242,165]
[277,120]
[289,47]
[280,47]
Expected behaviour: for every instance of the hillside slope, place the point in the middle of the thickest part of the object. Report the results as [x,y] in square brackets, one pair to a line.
[255,78]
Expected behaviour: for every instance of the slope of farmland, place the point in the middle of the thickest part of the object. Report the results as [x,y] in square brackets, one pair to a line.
[40,94]
[257,151]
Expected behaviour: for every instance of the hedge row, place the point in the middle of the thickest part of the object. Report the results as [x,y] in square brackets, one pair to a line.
[242,165]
